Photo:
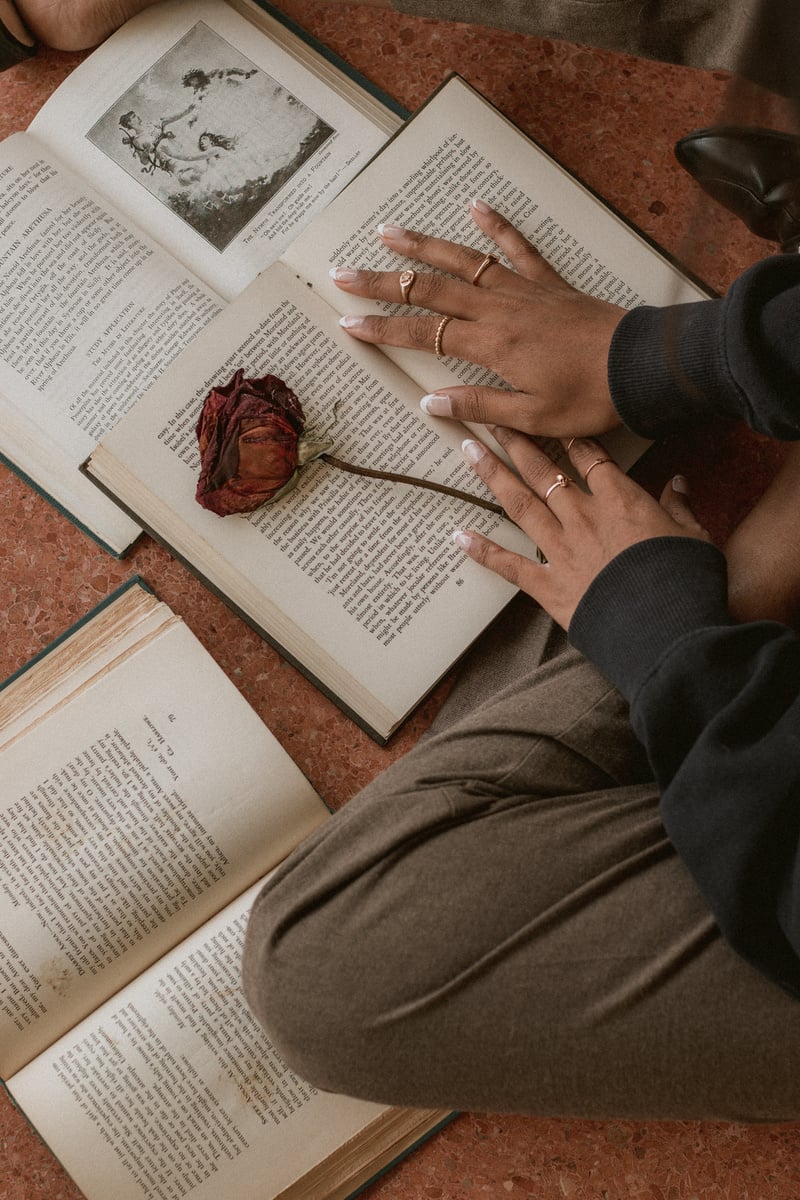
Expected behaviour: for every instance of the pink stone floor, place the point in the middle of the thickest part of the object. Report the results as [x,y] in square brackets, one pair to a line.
[612,119]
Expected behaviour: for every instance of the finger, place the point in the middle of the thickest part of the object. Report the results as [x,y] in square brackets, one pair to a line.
[535,467]
[429,289]
[453,339]
[496,406]
[675,499]
[461,261]
[521,498]
[593,464]
[524,257]
[522,572]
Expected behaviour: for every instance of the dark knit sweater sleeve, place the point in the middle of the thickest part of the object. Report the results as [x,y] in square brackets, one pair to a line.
[717,707]
[738,357]
[715,703]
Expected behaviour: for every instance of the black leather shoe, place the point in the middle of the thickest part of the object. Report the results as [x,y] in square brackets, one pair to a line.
[755,173]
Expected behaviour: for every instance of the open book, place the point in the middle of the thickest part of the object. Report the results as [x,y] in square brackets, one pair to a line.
[357,581]
[169,169]
[142,801]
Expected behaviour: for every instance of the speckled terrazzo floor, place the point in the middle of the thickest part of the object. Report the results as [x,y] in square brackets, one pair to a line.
[614,120]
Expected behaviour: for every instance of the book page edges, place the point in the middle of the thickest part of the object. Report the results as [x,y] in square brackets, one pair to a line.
[367,1155]
[373,102]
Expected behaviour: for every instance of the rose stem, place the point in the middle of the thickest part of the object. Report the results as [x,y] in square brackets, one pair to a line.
[422,483]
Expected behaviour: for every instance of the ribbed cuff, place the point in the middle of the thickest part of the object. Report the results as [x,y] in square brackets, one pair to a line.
[646,600]
[734,358]
[667,370]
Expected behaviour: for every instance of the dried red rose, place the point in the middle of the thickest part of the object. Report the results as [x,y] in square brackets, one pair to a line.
[253,444]
[249,435]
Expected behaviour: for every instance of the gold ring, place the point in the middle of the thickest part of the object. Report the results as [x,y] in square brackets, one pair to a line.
[437,341]
[559,482]
[487,262]
[592,466]
[406,283]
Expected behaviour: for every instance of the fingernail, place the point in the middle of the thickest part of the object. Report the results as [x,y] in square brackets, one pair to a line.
[680,484]
[437,405]
[481,205]
[461,538]
[471,450]
[351,322]
[391,232]
[343,274]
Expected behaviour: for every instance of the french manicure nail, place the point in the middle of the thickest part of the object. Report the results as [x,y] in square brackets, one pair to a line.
[437,405]
[391,232]
[472,450]
[351,322]
[481,205]
[343,274]
[680,484]
[461,539]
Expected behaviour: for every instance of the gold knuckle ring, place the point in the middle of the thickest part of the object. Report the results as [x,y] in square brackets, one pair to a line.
[406,283]
[597,462]
[487,262]
[437,341]
[560,481]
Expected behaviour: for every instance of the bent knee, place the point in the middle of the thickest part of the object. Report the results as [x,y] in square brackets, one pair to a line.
[317,993]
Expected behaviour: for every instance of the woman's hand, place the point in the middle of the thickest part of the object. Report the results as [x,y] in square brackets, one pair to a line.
[547,340]
[579,532]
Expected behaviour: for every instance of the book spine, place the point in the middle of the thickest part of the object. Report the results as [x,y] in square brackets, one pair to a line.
[134,581]
[65,512]
[340,63]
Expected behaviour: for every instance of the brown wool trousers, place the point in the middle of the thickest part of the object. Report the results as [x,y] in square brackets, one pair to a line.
[499,922]
[759,39]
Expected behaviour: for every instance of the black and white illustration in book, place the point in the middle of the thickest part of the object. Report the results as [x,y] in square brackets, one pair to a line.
[209,134]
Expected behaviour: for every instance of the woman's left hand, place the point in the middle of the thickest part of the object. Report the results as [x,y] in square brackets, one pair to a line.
[547,340]
[578,531]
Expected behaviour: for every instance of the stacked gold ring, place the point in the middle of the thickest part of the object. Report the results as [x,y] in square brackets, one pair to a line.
[437,341]
[560,481]
[597,462]
[487,262]
[406,283]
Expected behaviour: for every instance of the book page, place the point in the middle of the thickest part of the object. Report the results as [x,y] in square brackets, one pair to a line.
[92,312]
[140,807]
[455,148]
[172,1087]
[356,578]
[210,136]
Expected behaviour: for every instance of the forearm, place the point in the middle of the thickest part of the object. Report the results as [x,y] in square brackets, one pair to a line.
[738,357]
[717,707]
[725,750]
